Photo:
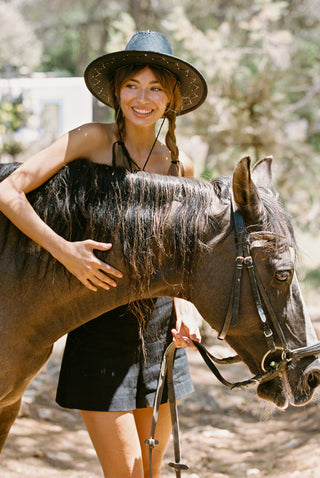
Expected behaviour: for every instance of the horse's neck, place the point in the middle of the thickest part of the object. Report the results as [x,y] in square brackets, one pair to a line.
[46,308]
[65,313]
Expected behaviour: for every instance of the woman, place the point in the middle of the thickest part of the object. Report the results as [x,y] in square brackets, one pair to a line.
[144,83]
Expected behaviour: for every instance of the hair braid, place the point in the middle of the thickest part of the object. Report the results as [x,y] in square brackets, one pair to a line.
[172,144]
[119,120]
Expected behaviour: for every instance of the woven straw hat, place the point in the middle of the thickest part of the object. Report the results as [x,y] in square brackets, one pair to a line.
[147,48]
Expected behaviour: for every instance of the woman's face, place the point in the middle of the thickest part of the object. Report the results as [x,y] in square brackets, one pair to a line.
[142,98]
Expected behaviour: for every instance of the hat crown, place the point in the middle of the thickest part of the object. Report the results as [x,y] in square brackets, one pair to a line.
[149,41]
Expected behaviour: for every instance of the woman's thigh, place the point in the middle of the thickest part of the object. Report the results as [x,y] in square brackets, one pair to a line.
[143,418]
[116,441]
[118,438]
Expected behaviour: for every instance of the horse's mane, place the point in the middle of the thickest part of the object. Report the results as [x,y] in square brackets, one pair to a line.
[85,200]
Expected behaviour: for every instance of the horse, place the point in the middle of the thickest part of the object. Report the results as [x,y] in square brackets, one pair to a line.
[171,237]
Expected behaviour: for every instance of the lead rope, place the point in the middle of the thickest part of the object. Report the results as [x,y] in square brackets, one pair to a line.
[166,373]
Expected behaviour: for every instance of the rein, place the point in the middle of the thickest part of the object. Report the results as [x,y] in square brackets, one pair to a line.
[273,362]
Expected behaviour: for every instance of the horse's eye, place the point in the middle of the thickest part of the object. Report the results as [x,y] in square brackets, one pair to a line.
[282,276]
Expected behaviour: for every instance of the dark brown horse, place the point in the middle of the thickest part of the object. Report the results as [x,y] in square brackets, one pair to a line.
[171,237]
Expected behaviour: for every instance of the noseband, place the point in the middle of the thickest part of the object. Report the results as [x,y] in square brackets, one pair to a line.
[279,354]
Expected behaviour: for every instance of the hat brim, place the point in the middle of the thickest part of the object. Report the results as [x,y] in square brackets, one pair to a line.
[100,72]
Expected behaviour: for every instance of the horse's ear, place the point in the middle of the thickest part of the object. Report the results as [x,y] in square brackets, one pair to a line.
[261,172]
[245,193]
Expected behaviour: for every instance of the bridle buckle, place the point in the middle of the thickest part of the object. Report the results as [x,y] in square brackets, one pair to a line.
[276,357]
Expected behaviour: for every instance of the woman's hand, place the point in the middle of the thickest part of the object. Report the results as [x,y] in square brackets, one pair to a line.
[187,328]
[79,259]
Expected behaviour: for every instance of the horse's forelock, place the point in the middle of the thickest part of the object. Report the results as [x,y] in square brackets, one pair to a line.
[277,219]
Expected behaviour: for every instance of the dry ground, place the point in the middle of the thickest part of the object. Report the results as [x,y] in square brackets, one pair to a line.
[224,434]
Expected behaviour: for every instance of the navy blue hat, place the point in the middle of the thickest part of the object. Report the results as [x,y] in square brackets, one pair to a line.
[147,48]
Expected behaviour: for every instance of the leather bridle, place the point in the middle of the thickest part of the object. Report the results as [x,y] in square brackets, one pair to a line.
[279,353]
[273,362]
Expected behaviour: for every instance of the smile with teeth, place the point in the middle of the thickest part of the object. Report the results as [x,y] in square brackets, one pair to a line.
[141,111]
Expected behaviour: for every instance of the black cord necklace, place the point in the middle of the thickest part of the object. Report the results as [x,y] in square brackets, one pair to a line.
[127,154]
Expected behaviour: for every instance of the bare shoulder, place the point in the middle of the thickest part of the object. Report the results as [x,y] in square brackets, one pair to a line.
[93,140]
[187,164]
[98,133]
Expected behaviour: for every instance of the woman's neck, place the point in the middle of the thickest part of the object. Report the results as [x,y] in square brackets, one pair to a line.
[139,142]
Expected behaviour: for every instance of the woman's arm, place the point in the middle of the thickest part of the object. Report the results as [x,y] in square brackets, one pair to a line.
[77,257]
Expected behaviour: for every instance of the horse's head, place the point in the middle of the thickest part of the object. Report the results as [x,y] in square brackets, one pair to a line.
[269,326]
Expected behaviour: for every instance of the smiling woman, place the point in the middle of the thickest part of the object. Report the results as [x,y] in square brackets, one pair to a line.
[115,391]
[144,94]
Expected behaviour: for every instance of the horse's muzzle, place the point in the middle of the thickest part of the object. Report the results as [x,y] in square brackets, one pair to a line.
[293,386]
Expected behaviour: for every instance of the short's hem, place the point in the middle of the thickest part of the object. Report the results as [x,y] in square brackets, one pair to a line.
[180,391]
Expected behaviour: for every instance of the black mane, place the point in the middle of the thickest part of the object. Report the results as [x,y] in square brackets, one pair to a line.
[85,200]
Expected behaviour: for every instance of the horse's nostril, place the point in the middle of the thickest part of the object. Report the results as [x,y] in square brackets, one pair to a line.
[314,379]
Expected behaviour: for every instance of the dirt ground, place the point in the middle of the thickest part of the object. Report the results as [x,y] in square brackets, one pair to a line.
[224,434]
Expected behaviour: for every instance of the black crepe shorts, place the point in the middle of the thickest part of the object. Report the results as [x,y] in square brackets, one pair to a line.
[104,367]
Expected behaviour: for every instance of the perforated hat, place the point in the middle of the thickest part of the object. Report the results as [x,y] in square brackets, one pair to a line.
[147,48]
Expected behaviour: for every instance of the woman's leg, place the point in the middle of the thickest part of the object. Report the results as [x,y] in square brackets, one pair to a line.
[118,438]
[143,418]
[116,441]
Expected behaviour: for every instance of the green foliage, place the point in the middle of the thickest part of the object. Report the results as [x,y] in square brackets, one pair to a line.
[19,48]
[13,116]
[261,60]
[312,278]
[62,58]
[72,33]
